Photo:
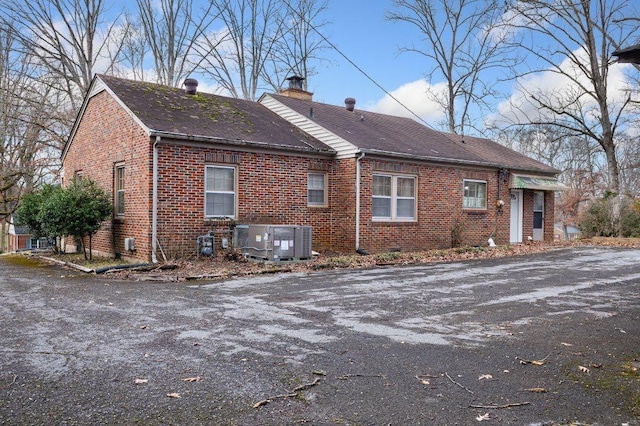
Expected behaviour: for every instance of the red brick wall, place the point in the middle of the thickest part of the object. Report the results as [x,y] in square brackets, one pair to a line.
[108,135]
[439,205]
[343,202]
[272,188]
[18,242]
[527,215]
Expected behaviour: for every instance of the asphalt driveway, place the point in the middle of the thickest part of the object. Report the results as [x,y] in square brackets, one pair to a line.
[551,338]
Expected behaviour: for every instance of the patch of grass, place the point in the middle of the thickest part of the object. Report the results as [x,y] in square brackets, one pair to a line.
[387,257]
[621,379]
[23,260]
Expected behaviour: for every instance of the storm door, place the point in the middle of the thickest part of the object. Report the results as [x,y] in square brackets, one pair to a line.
[516,217]
[538,216]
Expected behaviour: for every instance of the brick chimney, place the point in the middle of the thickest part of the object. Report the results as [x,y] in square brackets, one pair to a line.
[295,89]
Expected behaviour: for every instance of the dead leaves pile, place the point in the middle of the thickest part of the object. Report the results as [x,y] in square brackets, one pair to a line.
[219,267]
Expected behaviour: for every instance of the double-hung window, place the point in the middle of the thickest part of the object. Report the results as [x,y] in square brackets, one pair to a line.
[393,197]
[220,191]
[475,194]
[118,190]
[317,189]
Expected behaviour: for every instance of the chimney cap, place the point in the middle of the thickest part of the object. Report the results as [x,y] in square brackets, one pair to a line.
[190,86]
[350,104]
[295,81]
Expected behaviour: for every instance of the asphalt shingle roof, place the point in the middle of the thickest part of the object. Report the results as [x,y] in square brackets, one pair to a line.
[500,155]
[371,131]
[172,110]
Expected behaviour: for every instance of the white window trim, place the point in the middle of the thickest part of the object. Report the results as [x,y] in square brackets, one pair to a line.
[234,192]
[394,199]
[324,202]
[117,189]
[486,194]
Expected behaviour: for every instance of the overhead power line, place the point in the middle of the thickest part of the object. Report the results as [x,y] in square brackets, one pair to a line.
[334,47]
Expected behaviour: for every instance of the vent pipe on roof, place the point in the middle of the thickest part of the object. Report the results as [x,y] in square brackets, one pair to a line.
[350,104]
[190,86]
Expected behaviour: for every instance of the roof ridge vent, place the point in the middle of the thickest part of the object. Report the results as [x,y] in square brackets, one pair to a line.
[190,86]
[350,104]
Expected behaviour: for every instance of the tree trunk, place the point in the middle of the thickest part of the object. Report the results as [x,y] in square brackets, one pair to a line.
[84,248]
[4,235]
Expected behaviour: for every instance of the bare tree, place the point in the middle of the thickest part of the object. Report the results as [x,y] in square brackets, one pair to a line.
[129,58]
[629,158]
[240,52]
[572,42]
[29,143]
[171,31]
[295,52]
[464,43]
[67,38]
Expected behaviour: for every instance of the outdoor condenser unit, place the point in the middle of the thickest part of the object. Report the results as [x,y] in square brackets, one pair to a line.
[274,242]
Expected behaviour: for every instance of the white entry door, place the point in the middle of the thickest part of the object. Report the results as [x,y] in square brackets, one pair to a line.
[516,216]
[538,216]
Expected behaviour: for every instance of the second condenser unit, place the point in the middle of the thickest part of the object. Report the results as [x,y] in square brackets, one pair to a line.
[274,242]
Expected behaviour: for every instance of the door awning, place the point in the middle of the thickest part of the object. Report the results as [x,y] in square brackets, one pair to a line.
[541,183]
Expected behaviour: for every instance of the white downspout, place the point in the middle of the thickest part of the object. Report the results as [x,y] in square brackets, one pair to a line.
[154,203]
[358,200]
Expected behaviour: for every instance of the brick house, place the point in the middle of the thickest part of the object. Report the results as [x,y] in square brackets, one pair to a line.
[19,238]
[182,163]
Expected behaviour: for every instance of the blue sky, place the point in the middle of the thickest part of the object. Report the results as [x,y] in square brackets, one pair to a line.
[362,33]
[359,29]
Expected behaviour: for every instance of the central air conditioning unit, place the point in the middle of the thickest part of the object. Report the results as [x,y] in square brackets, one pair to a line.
[274,242]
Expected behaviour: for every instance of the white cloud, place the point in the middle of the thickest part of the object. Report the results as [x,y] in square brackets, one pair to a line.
[417,96]
[554,86]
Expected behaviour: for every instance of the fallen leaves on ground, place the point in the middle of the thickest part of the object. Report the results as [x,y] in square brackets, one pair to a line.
[483,417]
[218,267]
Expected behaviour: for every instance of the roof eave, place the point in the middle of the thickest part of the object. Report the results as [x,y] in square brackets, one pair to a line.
[97,86]
[76,123]
[238,142]
[455,161]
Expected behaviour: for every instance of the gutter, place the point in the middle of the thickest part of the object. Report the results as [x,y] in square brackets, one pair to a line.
[454,161]
[236,142]
[154,203]
[358,199]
